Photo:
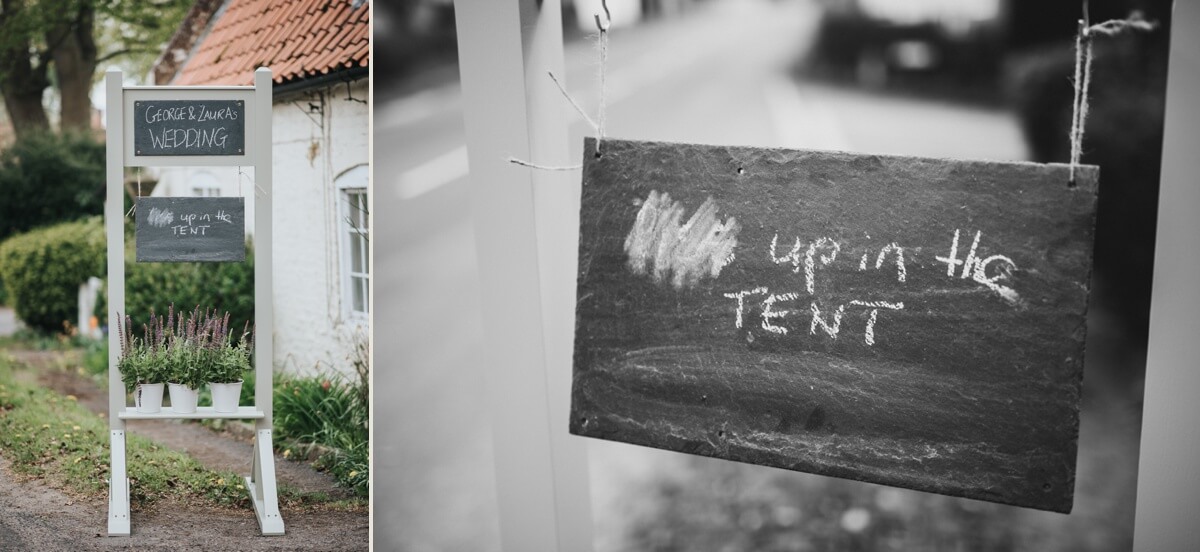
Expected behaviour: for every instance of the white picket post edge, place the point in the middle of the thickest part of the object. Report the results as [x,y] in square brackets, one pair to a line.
[1168,493]
[511,108]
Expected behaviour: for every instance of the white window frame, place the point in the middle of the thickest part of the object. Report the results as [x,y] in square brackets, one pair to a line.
[353,181]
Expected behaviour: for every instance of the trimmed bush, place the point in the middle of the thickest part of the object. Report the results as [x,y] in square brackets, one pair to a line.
[223,286]
[47,178]
[42,270]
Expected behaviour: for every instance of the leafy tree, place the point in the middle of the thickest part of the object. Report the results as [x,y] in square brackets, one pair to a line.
[62,42]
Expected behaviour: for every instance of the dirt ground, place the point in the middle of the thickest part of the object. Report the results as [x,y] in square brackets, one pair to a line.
[34,516]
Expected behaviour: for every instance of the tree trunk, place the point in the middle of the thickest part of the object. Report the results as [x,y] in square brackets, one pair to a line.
[74,53]
[21,80]
[22,84]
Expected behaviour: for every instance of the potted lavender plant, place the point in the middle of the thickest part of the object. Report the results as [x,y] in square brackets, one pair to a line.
[225,374]
[194,344]
[141,369]
[186,351]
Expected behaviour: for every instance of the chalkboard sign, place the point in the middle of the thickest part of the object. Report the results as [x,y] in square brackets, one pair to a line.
[189,127]
[905,321]
[180,229]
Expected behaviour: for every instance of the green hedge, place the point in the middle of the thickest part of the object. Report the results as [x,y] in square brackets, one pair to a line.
[224,286]
[42,270]
[47,178]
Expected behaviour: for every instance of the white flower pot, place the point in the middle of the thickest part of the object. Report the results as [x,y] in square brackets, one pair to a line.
[148,397]
[225,396]
[183,398]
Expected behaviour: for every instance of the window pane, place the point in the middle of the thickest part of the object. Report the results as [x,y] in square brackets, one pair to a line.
[366,291]
[356,256]
[360,296]
[361,208]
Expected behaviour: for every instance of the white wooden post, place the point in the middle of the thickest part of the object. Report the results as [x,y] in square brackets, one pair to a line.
[258,102]
[511,108]
[1168,490]
[261,481]
[114,218]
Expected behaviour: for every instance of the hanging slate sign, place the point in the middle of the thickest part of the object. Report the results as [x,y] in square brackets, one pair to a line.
[905,321]
[189,127]
[181,229]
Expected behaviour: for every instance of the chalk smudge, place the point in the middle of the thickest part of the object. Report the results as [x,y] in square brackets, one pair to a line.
[160,217]
[660,245]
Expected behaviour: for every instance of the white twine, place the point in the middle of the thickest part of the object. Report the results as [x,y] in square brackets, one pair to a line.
[133,208]
[1083,71]
[516,161]
[598,124]
[603,64]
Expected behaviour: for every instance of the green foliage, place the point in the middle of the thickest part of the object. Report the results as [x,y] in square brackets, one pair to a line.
[47,178]
[333,413]
[42,270]
[225,286]
[95,358]
[46,435]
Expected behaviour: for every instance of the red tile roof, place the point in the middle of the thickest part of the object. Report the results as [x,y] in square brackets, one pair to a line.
[297,39]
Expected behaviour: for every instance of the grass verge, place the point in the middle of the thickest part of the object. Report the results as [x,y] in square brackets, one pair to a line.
[52,438]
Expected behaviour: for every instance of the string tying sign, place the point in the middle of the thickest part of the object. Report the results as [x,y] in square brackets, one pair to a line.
[1083,70]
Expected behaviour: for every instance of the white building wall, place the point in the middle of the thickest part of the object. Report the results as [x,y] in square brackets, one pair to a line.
[319,135]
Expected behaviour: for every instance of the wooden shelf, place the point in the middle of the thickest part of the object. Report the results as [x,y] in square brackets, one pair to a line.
[202,412]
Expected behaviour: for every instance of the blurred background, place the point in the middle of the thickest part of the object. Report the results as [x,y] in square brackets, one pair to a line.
[980,79]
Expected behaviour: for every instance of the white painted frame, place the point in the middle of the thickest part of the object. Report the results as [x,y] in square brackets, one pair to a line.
[1168,483]
[258,103]
[526,235]
[160,93]
[342,185]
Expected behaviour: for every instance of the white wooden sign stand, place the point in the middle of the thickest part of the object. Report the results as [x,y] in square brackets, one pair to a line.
[526,236]
[121,153]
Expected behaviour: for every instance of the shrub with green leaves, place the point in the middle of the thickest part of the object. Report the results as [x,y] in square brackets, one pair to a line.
[47,178]
[334,412]
[224,286]
[42,270]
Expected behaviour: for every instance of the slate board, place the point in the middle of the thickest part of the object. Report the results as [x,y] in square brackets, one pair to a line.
[183,229]
[963,385]
[189,127]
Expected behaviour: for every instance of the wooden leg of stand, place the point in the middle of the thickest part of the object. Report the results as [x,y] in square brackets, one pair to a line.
[261,485]
[118,487]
